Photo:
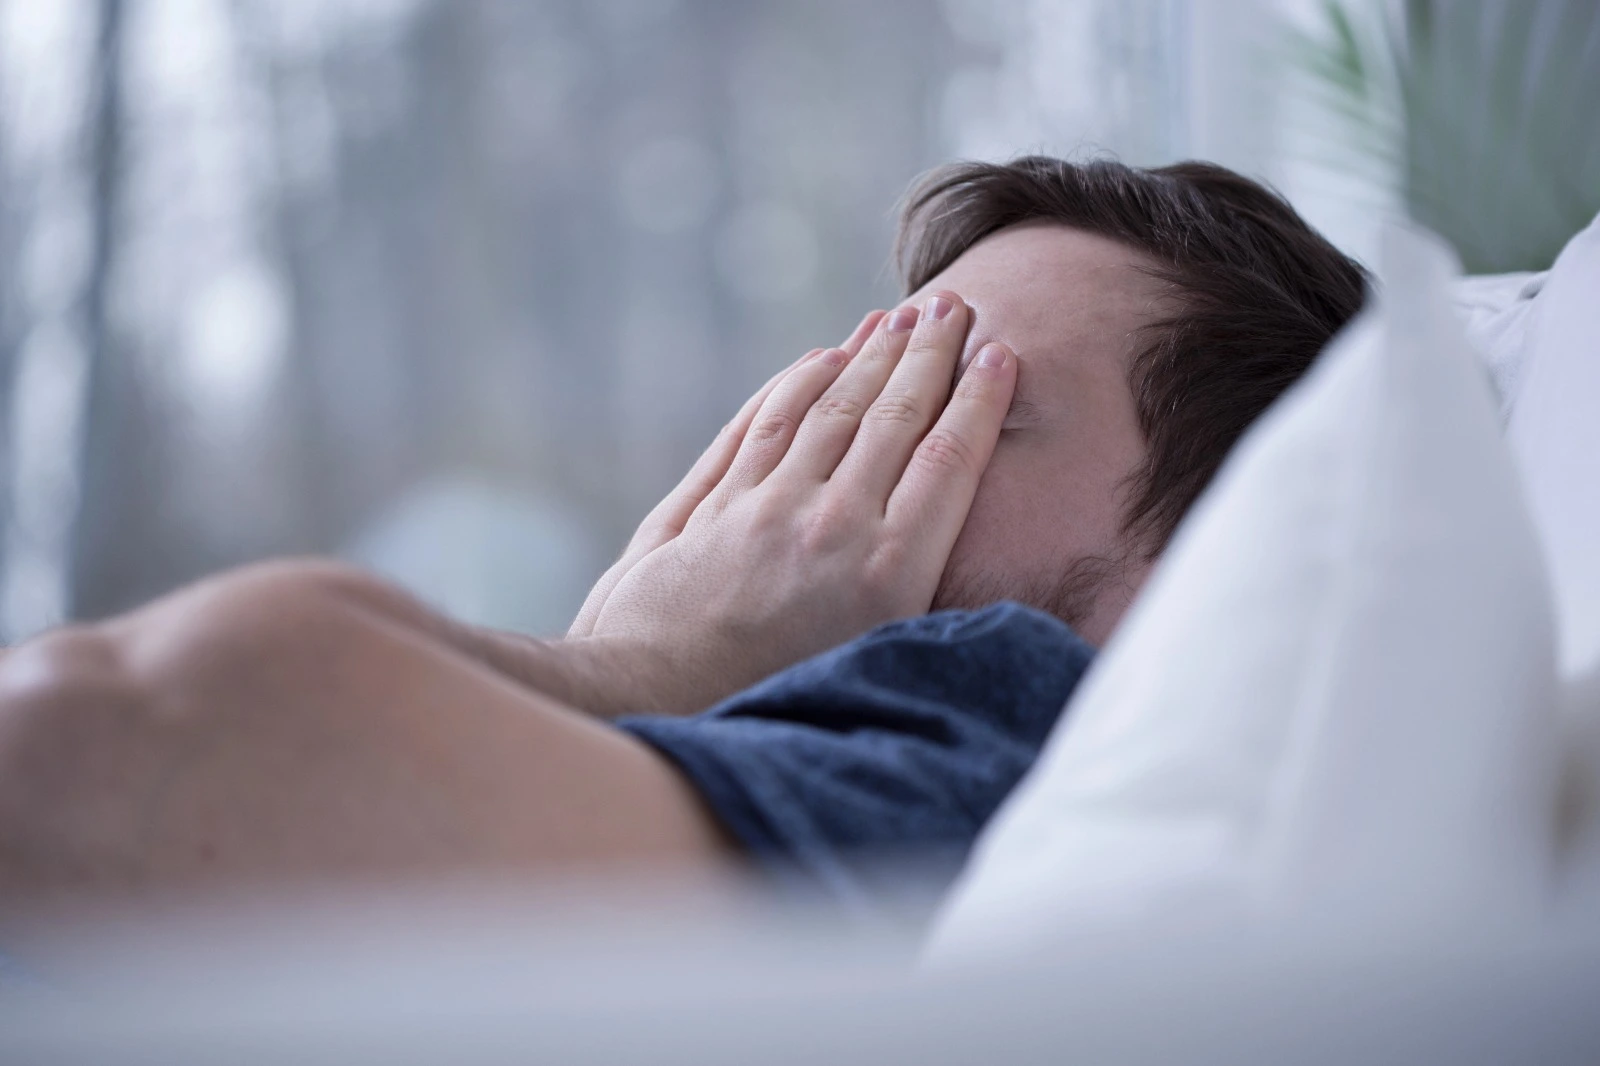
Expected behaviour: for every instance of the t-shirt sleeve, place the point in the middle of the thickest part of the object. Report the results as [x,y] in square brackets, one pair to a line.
[889,752]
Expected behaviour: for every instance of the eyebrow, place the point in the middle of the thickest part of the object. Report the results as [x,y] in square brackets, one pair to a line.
[1024,410]
[1021,409]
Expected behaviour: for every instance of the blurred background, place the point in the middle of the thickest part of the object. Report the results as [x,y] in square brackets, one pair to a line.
[458,288]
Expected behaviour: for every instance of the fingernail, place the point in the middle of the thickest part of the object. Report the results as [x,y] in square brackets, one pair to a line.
[937,307]
[835,357]
[901,320]
[992,355]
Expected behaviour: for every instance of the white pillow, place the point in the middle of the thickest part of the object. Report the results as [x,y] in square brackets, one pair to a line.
[1555,436]
[1334,696]
[1496,310]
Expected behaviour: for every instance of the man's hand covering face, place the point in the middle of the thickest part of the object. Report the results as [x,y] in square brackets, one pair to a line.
[827,506]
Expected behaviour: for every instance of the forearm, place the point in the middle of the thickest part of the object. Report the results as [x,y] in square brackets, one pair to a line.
[603,677]
[599,676]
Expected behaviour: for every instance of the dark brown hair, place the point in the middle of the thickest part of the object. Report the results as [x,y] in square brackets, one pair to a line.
[1258,293]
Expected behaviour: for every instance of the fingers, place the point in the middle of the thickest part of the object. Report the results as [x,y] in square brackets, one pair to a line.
[858,339]
[670,516]
[714,462]
[831,424]
[775,425]
[667,519]
[931,501]
[913,397]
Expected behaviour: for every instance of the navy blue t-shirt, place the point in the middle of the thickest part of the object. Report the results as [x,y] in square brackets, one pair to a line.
[896,746]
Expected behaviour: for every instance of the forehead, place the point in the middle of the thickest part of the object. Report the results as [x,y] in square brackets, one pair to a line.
[1062,299]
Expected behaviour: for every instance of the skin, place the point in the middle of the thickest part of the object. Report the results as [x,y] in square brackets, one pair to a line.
[1053,495]
[298,722]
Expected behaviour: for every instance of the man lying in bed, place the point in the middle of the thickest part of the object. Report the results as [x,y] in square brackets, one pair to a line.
[1109,333]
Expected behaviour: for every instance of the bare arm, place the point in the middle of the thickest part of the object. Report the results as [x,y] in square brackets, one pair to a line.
[603,677]
[307,720]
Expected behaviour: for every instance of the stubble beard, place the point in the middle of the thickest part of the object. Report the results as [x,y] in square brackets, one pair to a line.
[1070,593]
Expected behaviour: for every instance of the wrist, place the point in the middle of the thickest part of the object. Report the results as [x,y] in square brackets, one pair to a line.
[609,677]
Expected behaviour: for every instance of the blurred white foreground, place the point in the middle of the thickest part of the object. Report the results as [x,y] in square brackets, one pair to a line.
[474,978]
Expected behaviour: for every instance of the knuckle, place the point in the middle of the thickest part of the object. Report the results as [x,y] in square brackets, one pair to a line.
[883,572]
[936,345]
[837,408]
[946,452]
[768,511]
[832,524]
[898,409]
[886,580]
[772,426]
[887,356]
[886,348]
